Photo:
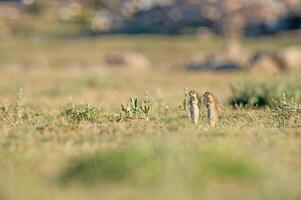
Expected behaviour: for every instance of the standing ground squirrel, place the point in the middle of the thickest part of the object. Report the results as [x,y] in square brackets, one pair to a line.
[194,107]
[211,105]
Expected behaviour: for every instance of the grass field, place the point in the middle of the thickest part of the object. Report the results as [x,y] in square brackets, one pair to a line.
[64,135]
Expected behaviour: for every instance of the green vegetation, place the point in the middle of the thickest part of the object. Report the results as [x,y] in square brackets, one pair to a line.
[151,166]
[259,93]
[53,147]
[79,112]
[135,110]
[287,111]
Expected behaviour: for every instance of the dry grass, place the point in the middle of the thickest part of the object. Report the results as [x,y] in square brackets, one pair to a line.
[45,155]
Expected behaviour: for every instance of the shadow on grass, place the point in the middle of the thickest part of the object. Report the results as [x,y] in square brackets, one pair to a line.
[140,165]
[146,166]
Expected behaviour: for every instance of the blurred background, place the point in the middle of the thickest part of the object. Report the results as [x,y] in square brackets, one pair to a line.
[75,17]
[91,41]
[223,23]
[67,66]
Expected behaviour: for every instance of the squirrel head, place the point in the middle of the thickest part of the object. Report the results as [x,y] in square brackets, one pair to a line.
[209,97]
[193,95]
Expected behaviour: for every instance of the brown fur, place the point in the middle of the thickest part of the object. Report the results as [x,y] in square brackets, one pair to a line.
[194,107]
[211,105]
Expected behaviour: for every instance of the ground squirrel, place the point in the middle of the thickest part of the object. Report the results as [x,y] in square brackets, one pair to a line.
[194,107]
[211,105]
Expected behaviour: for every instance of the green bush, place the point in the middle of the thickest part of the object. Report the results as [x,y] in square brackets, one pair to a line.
[258,93]
[81,112]
[137,164]
[136,109]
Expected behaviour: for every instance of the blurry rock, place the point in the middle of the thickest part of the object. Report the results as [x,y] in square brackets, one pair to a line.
[214,63]
[235,57]
[69,12]
[214,66]
[254,17]
[291,56]
[274,26]
[236,52]
[102,21]
[238,58]
[266,63]
[170,19]
[131,60]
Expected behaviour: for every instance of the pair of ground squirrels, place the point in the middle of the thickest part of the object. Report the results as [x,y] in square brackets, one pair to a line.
[194,103]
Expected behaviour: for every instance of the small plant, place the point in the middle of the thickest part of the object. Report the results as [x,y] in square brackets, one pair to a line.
[18,112]
[14,111]
[132,109]
[185,101]
[145,108]
[135,110]
[80,112]
[19,104]
[286,112]
[257,93]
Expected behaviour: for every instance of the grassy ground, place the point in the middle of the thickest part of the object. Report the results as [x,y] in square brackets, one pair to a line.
[64,136]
